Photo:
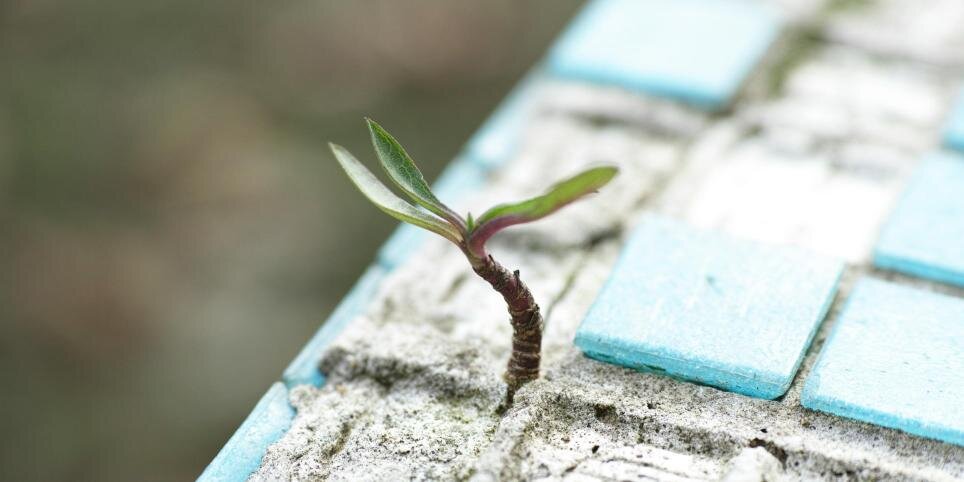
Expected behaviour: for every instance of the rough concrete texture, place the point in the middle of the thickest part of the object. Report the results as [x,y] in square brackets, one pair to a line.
[415,407]
[814,155]
[902,28]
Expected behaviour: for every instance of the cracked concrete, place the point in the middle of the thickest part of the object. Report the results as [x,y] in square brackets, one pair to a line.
[816,161]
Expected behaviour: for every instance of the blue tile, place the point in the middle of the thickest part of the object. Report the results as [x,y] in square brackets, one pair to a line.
[304,368]
[954,130]
[705,307]
[498,138]
[459,179]
[925,234]
[242,454]
[400,245]
[697,51]
[894,358]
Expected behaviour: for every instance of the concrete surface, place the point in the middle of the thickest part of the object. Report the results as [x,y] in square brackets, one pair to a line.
[814,154]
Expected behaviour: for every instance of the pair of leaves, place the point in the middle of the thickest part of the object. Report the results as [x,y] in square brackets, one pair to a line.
[403,172]
[402,169]
[387,201]
[474,233]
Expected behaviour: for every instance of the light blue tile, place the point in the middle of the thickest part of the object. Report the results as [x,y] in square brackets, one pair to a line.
[925,234]
[954,130]
[697,51]
[705,307]
[242,454]
[895,358]
[304,368]
[458,180]
[499,137]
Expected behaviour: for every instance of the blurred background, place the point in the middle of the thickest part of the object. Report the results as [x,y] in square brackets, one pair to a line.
[173,226]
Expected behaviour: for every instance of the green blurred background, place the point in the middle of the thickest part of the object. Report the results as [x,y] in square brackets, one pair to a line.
[173,227]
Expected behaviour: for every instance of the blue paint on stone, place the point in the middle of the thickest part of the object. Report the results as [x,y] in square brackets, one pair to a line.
[954,130]
[401,244]
[241,456]
[705,307]
[497,140]
[894,358]
[304,368]
[460,178]
[925,234]
[696,51]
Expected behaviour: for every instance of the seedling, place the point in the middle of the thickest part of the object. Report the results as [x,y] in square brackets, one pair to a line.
[470,235]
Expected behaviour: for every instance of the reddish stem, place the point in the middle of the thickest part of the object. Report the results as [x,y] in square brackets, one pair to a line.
[527,325]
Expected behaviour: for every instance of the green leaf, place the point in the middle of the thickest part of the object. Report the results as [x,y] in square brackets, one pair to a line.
[405,174]
[387,201]
[560,194]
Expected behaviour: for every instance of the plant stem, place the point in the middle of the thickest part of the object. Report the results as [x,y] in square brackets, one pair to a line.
[523,366]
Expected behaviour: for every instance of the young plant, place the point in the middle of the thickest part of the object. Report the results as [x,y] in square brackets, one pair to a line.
[470,235]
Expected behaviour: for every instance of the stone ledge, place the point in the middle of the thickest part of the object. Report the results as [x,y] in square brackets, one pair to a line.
[857,116]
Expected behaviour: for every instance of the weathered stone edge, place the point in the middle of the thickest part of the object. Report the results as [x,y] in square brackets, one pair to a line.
[272,416]
[242,454]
